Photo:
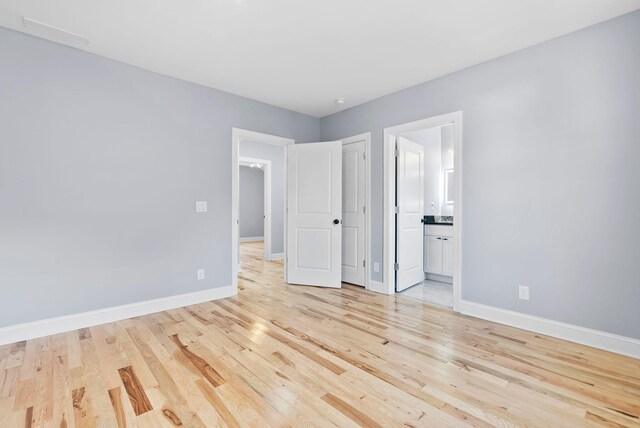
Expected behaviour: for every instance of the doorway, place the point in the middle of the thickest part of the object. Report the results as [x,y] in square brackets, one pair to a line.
[422,217]
[254,209]
[267,153]
[313,189]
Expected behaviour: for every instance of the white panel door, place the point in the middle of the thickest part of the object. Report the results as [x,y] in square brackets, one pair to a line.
[314,210]
[353,212]
[410,203]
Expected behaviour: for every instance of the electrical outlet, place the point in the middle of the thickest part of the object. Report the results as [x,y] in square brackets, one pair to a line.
[200,274]
[523,292]
[376,267]
[201,206]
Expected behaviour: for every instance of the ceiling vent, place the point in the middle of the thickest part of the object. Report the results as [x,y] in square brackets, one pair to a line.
[53,33]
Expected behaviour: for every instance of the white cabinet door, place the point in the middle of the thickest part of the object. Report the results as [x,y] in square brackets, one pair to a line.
[410,200]
[447,256]
[314,208]
[434,255]
[353,213]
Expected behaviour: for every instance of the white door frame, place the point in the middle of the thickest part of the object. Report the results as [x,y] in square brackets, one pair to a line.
[238,135]
[245,161]
[389,237]
[366,137]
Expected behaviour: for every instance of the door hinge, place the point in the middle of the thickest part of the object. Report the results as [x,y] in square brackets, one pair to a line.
[397,153]
[364,263]
[396,210]
[364,156]
[364,210]
[396,266]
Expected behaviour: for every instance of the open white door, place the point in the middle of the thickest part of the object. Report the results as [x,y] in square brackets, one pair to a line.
[353,213]
[410,203]
[314,209]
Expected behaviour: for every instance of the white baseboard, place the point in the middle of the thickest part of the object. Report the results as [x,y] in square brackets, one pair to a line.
[573,333]
[439,278]
[46,327]
[378,287]
[277,256]
[252,239]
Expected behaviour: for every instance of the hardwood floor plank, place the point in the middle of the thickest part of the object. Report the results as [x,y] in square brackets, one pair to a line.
[116,400]
[82,408]
[28,418]
[213,398]
[203,366]
[166,384]
[137,396]
[351,412]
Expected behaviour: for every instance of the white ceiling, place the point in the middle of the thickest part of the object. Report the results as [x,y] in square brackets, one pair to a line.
[303,54]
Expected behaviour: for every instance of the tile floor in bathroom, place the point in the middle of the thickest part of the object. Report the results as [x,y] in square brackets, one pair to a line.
[438,293]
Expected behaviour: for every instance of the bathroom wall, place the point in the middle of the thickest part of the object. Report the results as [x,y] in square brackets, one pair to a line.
[447,156]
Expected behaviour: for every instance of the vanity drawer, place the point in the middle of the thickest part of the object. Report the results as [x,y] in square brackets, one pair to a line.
[438,230]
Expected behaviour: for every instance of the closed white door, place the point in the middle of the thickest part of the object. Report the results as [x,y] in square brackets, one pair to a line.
[353,212]
[447,256]
[314,210]
[410,203]
[434,256]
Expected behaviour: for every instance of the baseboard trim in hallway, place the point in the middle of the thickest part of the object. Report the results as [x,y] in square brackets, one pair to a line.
[573,333]
[252,239]
[49,326]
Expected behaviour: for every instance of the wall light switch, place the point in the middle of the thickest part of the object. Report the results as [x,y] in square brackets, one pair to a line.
[523,292]
[376,267]
[200,274]
[201,206]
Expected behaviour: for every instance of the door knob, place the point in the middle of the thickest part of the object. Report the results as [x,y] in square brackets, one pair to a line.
[336,221]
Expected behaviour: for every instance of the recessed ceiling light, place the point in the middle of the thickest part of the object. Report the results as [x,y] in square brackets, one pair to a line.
[341,101]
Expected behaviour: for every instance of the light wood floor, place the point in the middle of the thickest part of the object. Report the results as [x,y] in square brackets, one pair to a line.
[280,355]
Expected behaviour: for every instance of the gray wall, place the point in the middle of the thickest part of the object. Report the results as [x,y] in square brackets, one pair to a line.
[100,167]
[275,154]
[251,202]
[551,155]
